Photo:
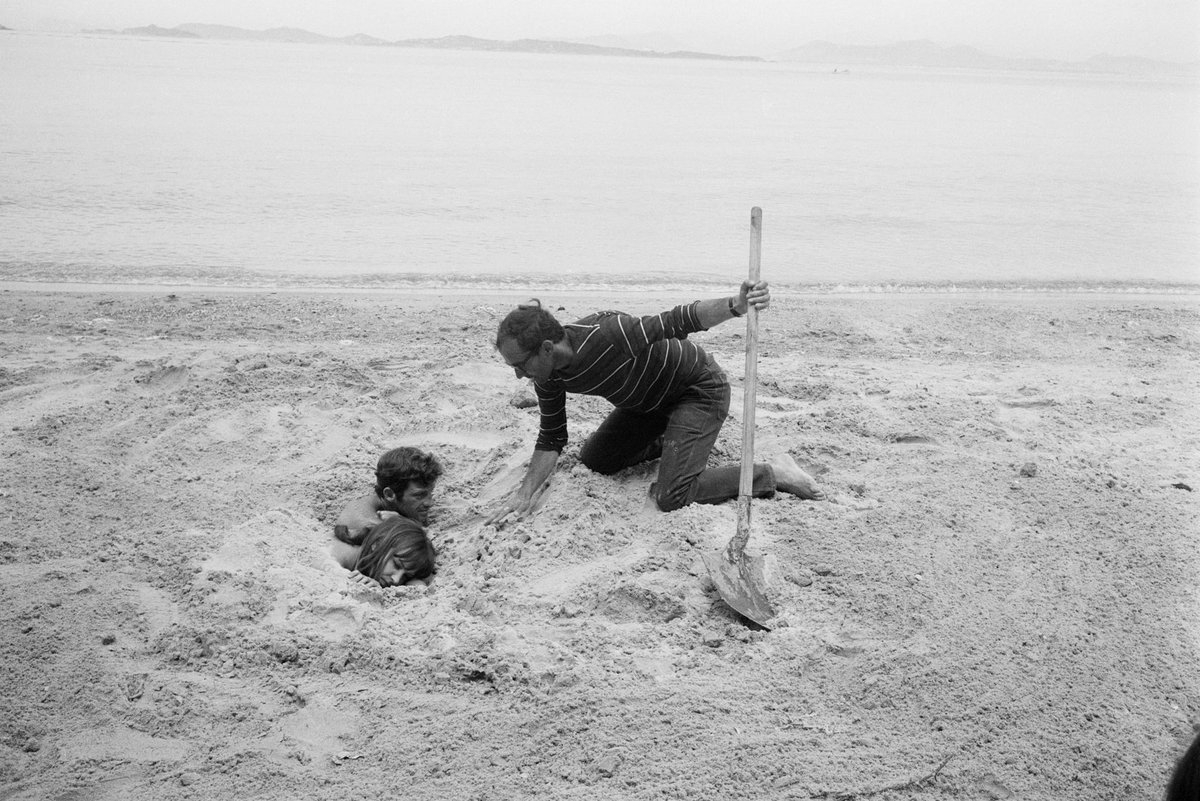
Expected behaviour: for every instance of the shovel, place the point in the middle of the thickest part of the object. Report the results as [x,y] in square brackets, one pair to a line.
[740,578]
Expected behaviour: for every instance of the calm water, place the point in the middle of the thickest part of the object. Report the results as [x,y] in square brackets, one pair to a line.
[159,160]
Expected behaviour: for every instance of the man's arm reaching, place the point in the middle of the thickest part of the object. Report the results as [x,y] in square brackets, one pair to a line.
[716,311]
[522,502]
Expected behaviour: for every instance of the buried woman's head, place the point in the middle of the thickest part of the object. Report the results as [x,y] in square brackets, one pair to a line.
[396,551]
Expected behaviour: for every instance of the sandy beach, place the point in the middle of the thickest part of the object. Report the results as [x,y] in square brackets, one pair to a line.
[1001,601]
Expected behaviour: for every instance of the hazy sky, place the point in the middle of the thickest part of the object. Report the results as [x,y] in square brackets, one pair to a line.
[1063,29]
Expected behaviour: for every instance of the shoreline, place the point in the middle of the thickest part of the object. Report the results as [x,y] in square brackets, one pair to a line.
[1176,292]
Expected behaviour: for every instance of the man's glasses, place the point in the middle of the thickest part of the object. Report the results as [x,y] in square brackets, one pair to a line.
[522,364]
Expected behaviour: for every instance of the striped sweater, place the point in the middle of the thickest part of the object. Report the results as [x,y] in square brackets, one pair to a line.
[636,363]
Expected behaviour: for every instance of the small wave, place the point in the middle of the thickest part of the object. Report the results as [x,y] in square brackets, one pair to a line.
[1035,287]
[45,273]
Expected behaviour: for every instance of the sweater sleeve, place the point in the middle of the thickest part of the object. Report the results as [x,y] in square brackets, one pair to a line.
[634,334]
[552,431]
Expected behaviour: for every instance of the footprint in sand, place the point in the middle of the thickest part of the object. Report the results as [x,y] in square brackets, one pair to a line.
[913,439]
[1027,403]
[166,378]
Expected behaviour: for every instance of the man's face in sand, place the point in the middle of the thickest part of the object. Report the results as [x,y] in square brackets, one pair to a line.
[414,503]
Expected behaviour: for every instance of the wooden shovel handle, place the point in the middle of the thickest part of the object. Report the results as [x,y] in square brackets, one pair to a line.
[749,385]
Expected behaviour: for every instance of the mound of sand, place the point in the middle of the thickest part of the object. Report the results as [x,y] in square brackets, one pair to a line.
[1001,602]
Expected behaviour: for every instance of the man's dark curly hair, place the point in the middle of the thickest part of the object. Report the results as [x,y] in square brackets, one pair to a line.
[529,325]
[401,465]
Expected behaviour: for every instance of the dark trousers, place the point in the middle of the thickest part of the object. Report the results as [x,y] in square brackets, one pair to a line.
[683,436]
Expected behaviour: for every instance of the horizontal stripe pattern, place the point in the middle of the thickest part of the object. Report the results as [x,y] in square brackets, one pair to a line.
[636,363]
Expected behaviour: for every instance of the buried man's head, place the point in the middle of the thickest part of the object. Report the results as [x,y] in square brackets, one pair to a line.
[404,481]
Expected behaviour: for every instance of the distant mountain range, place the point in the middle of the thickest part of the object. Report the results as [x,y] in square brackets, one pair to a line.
[195,30]
[902,54]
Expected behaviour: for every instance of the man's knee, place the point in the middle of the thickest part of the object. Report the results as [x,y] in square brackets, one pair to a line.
[669,499]
[593,459]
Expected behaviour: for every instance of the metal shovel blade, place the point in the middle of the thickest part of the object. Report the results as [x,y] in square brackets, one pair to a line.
[740,583]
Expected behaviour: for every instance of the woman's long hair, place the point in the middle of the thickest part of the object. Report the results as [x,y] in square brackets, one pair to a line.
[402,538]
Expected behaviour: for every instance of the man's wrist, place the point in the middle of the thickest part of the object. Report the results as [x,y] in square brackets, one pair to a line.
[733,308]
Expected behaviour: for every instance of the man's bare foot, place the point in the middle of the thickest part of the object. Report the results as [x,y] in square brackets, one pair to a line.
[790,477]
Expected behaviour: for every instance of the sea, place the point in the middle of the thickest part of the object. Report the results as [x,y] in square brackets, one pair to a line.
[252,164]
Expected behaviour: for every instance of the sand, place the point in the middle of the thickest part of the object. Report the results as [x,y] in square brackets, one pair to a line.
[1001,602]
